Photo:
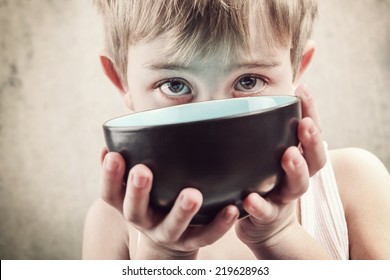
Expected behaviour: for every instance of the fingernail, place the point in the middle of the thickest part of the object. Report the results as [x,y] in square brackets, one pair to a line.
[312,130]
[110,164]
[138,180]
[296,160]
[303,89]
[186,204]
[228,216]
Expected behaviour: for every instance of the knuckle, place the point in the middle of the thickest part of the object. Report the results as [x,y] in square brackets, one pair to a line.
[296,187]
[166,236]
[206,241]
[323,160]
[268,216]
[320,163]
[132,217]
[129,217]
[196,243]
[108,197]
[187,246]
[296,193]
[304,187]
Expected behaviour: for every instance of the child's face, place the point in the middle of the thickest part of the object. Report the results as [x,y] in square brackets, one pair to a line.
[154,83]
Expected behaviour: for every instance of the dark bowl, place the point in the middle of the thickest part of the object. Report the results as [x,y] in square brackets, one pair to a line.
[224,148]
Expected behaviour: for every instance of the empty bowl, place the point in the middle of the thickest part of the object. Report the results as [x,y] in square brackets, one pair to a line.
[225,148]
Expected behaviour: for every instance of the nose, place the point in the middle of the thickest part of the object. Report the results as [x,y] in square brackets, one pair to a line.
[211,98]
[213,94]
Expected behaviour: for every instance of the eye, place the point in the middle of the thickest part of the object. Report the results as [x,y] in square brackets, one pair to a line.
[174,87]
[250,84]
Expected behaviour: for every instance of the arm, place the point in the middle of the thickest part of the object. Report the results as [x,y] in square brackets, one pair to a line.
[105,233]
[364,185]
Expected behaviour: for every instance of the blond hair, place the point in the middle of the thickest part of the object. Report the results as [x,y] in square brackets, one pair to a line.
[200,27]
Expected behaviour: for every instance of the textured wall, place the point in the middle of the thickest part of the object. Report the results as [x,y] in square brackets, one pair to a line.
[54,98]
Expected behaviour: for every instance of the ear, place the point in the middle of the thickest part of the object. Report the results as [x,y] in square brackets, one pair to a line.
[111,72]
[307,56]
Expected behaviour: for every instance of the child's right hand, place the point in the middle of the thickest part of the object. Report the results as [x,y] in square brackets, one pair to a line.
[162,237]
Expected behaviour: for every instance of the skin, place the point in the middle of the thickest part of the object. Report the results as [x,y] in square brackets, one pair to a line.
[272,231]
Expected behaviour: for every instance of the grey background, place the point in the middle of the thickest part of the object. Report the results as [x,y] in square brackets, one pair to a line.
[54,98]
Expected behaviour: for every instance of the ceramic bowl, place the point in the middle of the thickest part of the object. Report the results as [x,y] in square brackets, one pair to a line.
[225,148]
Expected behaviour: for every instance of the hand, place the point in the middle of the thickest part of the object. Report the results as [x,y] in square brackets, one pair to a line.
[162,236]
[273,219]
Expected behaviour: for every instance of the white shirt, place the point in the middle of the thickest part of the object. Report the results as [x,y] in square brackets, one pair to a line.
[322,213]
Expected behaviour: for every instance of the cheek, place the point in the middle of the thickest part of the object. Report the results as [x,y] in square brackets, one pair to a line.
[142,103]
[146,100]
[139,95]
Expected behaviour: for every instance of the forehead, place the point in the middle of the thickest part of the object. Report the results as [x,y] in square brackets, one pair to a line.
[155,55]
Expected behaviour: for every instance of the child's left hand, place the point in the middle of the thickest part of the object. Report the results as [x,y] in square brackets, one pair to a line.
[273,220]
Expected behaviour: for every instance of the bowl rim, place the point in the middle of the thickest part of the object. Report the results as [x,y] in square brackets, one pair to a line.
[294,99]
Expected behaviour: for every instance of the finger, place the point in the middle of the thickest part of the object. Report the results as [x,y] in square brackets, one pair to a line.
[312,146]
[111,184]
[297,176]
[136,202]
[309,108]
[103,154]
[178,219]
[260,208]
[213,231]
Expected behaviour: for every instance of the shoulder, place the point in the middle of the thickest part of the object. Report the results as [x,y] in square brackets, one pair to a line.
[105,233]
[364,186]
[358,172]
[355,158]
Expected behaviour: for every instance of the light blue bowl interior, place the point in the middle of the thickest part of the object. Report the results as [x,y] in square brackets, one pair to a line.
[202,111]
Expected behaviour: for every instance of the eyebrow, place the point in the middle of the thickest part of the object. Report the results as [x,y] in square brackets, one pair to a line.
[266,63]
[168,66]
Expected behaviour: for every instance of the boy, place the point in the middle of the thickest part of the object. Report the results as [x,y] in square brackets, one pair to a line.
[334,204]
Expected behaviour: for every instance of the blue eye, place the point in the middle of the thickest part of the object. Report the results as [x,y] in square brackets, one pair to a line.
[175,87]
[250,84]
